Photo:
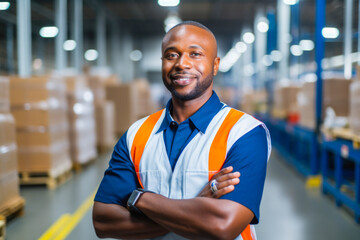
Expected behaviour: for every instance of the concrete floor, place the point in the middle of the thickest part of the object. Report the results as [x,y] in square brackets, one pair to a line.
[289,210]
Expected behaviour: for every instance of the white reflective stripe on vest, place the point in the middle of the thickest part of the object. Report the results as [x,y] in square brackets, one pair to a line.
[189,176]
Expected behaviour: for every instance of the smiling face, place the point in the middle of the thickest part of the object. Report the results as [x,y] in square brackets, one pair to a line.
[189,62]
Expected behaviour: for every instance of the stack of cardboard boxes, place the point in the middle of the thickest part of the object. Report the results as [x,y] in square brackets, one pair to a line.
[335,95]
[132,101]
[285,101]
[9,180]
[254,102]
[227,95]
[104,112]
[354,118]
[40,110]
[81,119]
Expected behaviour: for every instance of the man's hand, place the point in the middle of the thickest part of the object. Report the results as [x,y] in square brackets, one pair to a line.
[226,181]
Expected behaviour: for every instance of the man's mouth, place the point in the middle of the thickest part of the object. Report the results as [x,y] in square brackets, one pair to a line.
[182,79]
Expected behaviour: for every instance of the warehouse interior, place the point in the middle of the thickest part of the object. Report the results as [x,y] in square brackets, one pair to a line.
[75,74]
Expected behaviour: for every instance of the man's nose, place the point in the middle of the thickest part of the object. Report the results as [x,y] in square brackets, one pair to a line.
[184,62]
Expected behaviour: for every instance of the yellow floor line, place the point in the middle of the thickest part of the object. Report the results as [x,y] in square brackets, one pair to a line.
[54,229]
[67,222]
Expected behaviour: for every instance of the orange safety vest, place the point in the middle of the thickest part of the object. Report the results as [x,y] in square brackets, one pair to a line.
[217,153]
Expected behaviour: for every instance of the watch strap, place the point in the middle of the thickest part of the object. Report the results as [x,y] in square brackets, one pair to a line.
[134,197]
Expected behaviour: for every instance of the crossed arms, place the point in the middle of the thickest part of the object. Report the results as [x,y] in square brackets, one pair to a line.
[203,217]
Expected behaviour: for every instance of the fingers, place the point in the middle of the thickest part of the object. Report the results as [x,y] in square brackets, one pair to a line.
[226,181]
[221,192]
[228,176]
[222,172]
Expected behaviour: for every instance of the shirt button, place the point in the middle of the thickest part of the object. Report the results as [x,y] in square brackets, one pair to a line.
[173,124]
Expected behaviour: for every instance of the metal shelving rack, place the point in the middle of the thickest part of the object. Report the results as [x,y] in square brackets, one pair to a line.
[342,183]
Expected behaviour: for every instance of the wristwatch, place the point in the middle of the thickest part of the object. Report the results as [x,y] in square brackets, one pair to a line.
[134,197]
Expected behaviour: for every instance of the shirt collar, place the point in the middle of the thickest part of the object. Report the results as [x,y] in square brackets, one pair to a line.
[201,118]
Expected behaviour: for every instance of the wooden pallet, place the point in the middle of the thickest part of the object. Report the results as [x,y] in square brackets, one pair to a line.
[78,167]
[13,209]
[49,179]
[343,133]
[2,227]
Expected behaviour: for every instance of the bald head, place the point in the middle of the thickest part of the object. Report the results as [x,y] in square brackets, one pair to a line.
[184,29]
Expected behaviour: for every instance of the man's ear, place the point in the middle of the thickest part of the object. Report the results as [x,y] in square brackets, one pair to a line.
[216,65]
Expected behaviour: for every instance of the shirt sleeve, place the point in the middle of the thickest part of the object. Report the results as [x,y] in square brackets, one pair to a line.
[249,156]
[120,178]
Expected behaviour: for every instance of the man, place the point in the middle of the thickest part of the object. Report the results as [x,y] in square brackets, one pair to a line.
[186,159]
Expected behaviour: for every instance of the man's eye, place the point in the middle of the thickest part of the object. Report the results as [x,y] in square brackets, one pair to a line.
[196,54]
[171,55]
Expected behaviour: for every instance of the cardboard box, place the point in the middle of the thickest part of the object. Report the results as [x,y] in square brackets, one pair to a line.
[285,99]
[4,95]
[74,83]
[335,95]
[38,117]
[9,187]
[36,89]
[105,128]
[354,118]
[44,158]
[39,106]
[97,85]
[132,101]
[124,97]
[254,102]
[42,136]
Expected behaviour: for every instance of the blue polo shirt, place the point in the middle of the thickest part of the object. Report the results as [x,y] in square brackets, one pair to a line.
[248,155]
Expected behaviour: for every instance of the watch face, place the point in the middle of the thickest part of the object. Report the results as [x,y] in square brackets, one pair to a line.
[133,198]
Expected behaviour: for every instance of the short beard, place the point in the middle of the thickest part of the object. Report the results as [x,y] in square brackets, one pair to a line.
[199,89]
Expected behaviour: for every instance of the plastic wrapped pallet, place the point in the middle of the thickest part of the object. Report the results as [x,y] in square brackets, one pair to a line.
[81,119]
[132,101]
[285,101]
[354,118]
[105,128]
[254,102]
[335,95]
[39,107]
[9,179]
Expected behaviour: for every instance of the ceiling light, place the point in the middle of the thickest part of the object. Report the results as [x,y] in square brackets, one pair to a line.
[229,60]
[276,55]
[171,21]
[307,45]
[135,55]
[263,25]
[330,32]
[249,37]
[290,2]
[91,55]
[267,61]
[4,5]
[249,70]
[241,47]
[296,50]
[48,32]
[168,3]
[69,45]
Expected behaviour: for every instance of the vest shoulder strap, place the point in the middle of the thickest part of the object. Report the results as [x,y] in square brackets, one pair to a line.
[141,138]
[217,152]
